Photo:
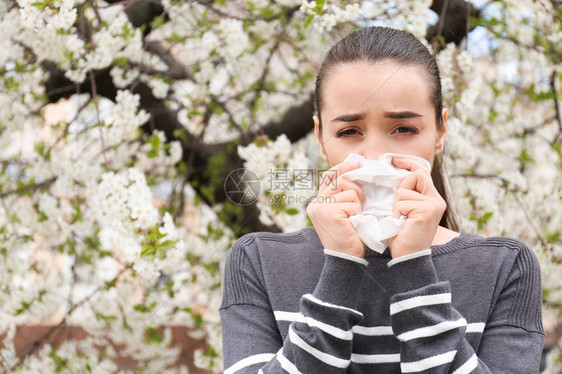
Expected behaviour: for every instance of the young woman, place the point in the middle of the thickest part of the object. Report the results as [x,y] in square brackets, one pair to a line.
[436,301]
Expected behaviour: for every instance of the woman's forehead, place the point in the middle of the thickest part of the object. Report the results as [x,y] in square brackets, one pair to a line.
[380,87]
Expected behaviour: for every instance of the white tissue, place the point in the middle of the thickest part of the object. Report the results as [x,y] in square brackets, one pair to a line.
[379,180]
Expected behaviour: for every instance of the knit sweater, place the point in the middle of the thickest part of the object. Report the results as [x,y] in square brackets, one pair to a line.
[472,305]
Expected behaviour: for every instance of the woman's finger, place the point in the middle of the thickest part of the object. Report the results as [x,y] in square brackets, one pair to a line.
[345,184]
[409,164]
[348,208]
[426,208]
[329,176]
[403,208]
[420,182]
[341,184]
[408,194]
[349,196]
[410,208]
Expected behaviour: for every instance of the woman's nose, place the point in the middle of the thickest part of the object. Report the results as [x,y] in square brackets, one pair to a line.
[372,148]
[371,155]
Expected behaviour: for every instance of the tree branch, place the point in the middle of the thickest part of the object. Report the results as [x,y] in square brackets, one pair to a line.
[29,187]
[176,70]
[556,106]
[453,18]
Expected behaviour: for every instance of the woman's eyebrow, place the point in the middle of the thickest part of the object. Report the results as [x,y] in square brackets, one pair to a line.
[401,115]
[349,117]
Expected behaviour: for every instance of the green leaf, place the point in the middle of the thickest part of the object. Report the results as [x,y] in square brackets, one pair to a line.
[152,153]
[122,62]
[106,317]
[211,267]
[110,284]
[292,211]
[77,213]
[148,251]
[24,306]
[155,141]
[524,157]
[176,38]
[197,319]
[553,237]
[216,108]
[541,96]
[169,243]
[10,83]
[60,363]
[308,20]
[267,12]
[42,217]
[19,67]
[39,4]
[482,220]
[152,335]
[41,149]
[157,22]
[22,185]
[170,288]
[145,309]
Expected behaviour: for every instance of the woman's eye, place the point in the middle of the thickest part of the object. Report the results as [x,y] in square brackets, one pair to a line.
[405,130]
[345,132]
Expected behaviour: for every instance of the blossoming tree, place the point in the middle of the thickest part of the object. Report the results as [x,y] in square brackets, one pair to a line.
[121,120]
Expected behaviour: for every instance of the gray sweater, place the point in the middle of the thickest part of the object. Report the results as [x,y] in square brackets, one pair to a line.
[472,305]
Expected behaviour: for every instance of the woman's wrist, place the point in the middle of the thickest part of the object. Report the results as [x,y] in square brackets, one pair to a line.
[410,256]
[411,272]
[346,256]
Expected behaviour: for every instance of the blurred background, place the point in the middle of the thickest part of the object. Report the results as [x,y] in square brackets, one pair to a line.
[124,127]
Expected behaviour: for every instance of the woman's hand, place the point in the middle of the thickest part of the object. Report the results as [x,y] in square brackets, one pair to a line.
[337,199]
[418,199]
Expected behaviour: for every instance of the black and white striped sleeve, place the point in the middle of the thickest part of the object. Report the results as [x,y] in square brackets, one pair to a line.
[432,332]
[320,339]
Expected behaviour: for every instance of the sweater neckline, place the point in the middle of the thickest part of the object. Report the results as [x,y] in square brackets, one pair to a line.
[457,242]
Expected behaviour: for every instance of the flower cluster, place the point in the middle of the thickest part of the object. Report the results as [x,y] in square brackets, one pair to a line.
[288,181]
[330,14]
[124,118]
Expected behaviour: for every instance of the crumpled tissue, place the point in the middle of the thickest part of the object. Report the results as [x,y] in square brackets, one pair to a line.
[379,180]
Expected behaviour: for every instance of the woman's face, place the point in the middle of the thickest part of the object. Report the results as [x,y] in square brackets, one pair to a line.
[371,109]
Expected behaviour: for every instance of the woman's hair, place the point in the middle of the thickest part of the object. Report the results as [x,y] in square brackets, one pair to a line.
[375,44]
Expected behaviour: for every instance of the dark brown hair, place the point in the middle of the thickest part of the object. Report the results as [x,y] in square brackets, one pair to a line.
[375,44]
